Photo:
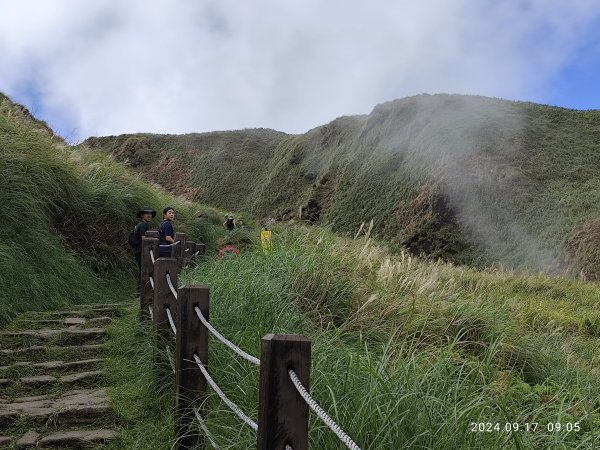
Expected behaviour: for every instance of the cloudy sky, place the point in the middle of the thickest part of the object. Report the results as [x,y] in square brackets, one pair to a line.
[102,67]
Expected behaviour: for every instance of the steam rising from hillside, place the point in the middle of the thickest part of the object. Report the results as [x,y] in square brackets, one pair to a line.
[109,67]
[471,148]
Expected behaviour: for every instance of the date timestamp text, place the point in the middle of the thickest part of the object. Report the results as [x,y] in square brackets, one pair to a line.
[527,427]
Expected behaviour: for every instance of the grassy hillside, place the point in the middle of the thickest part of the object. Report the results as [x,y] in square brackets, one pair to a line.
[406,352]
[468,179]
[409,354]
[66,216]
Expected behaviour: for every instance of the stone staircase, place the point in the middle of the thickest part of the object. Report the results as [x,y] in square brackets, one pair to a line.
[52,390]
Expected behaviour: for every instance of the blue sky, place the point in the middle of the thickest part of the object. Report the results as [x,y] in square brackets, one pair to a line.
[577,85]
[105,67]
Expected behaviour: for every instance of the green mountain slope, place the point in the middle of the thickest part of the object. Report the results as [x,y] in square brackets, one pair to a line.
[406,352]
[468,179]
[66,215]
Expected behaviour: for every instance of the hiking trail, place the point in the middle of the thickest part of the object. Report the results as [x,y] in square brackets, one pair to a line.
[52,387]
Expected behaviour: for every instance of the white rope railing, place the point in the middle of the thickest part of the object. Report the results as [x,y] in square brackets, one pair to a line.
[205,429]
[170,358]
[151,282]
[173,290]
[322,414]
[173,327]
[151,313]
[224,340]
[174,243]
[235,408]
[152,256]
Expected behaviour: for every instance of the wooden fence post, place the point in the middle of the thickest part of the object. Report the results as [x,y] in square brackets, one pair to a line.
[282,412]
[147,271]
[162,300]
[179,250]
[188,251]
[190,384]
[152,234]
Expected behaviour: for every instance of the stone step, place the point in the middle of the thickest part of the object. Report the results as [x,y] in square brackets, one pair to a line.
[63,335]
[100,305]
[47,333]
[71,439]
[70,321]
[27,350]
[9,356]
[52,365]
[41,380]
[108,311]
[28,440]
[76,406]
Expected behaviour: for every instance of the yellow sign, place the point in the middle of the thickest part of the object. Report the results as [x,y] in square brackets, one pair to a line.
[265,241]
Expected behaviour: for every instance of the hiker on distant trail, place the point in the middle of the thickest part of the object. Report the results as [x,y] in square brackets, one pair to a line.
[145,215]
[229,224]
[166,232]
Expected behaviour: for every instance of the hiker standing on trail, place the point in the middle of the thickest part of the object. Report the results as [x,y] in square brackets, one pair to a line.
[229,224]
[166,232]
[145,215]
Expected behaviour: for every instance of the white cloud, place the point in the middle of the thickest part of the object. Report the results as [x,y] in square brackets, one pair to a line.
[110,67]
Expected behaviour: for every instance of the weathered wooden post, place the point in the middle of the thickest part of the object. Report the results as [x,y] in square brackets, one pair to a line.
[179,249]
[152,234]
[190,384]
[282,412]
[200,248]
[188,251]
[147,272]
[162,299]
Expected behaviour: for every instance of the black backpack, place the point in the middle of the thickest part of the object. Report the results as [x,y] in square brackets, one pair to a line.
[133,238]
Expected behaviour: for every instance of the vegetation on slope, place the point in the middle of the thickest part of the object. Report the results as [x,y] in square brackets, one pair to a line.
[406,353]
[66,216]
[468,179]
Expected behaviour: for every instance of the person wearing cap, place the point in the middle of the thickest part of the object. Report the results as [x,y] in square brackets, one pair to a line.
[166,232]
[229,224]
[145,215]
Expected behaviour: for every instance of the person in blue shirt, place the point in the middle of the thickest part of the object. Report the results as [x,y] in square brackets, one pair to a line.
[166,232]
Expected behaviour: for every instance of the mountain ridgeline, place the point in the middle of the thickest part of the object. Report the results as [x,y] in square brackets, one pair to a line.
[468,179]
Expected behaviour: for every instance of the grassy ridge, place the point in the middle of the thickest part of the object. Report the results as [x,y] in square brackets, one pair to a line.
[469,179]
[405,352]
[67,212]
[408,353]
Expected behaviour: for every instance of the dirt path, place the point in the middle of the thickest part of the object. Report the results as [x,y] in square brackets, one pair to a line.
[52,389]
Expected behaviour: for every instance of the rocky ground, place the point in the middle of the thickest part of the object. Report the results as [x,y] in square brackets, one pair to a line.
[52,390]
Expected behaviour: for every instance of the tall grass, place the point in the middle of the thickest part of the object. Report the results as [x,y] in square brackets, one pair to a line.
[406,354]
[141,394]
[66,216]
